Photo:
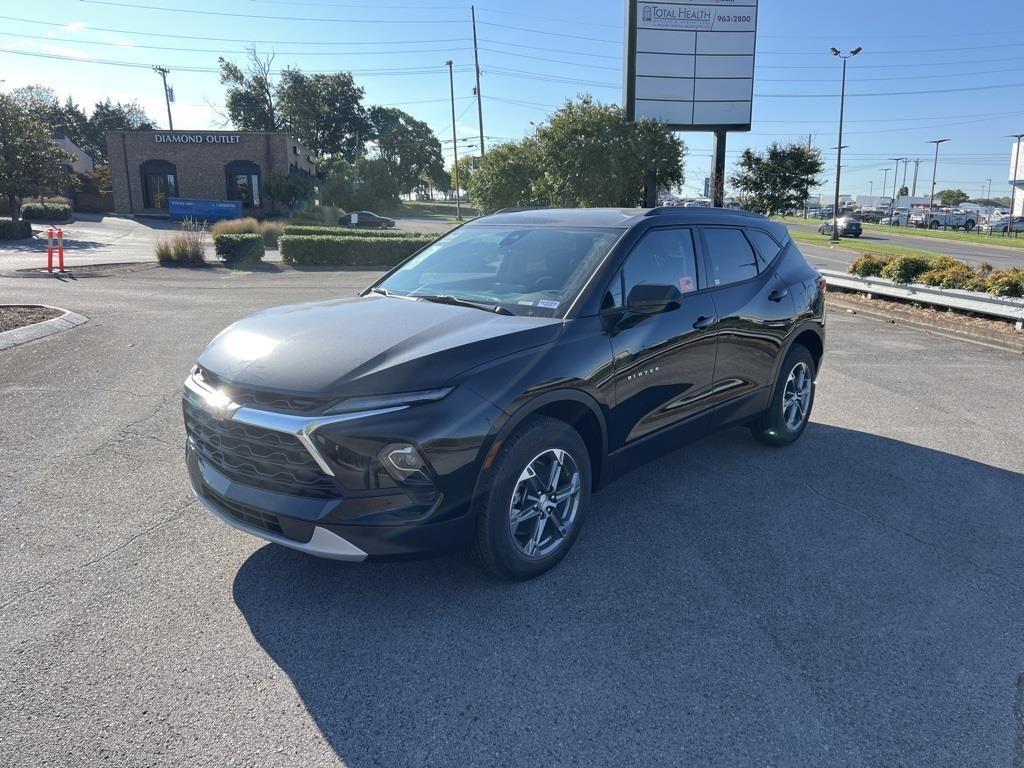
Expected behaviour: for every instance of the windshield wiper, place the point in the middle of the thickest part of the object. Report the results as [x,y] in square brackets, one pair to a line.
[381,291]
[456,301]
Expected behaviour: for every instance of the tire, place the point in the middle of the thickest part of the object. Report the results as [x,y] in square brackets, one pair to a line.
[501,545]
[773,427]
[969,226]
[933,225]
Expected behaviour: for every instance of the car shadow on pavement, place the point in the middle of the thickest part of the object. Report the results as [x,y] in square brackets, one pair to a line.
[851,599]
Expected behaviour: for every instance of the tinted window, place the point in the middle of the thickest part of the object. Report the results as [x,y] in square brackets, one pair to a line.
[663,257]
[764,246]
[731,259]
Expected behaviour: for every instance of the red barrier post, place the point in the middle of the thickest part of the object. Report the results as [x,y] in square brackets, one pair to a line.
[49,250]
[60,248]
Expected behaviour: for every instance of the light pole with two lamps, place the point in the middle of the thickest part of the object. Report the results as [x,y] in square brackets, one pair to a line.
[839,144]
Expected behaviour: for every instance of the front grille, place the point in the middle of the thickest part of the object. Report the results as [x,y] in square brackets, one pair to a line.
[256,456]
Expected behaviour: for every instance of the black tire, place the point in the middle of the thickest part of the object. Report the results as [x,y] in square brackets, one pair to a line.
[933,225]
[494,545]
[969,226]
[771,427]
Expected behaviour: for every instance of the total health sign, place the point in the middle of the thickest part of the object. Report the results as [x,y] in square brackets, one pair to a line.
[690,63]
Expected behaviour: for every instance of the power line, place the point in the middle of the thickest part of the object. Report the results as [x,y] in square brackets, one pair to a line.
[257,15]
[249,41]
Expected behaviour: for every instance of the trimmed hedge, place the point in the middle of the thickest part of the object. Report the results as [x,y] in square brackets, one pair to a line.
[350,251]
[302,229]
[906,269]
[46,211]
[869,265]
[1007,282]
[14,230]
[243,248]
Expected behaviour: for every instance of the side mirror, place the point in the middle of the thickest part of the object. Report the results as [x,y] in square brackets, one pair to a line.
[653,299]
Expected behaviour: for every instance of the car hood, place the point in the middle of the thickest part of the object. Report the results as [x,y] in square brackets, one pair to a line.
[366,346]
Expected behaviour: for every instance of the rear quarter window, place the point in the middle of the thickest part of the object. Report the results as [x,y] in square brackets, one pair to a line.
[731,258]
[765,247]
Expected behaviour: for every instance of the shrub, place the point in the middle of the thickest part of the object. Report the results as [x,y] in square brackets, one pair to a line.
[186,247]
[14,230]
[906,269]
[350,251]
[1007,282]
[947,272]
[319,215]
[243,248]
[46,211]
[271,231]
[869,265]
[236,227]
[302,229]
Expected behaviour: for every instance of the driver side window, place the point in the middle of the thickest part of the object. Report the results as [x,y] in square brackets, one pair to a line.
[662,257]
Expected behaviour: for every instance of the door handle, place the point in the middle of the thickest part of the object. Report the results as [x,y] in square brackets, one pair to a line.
[704,321]
[778,294]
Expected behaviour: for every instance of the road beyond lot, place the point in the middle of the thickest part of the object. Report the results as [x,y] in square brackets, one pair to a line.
[854,600]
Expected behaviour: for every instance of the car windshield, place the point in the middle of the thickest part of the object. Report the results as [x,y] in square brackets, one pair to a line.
[534,271]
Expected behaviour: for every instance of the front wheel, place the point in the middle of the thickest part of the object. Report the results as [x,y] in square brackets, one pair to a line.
[933,225]
[791,403]
[534,500]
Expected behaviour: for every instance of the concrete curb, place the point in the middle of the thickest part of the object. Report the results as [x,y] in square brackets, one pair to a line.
[938,326]
[27,333]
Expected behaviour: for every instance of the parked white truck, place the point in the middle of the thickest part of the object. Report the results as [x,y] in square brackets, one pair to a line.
[943,218]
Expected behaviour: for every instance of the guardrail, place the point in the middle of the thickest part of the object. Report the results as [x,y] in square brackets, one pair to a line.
[950,298]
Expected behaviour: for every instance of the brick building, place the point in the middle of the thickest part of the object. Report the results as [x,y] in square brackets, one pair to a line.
[148,167]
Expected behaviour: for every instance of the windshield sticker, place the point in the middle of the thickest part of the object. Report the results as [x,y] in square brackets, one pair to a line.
[525,303]
[547,304]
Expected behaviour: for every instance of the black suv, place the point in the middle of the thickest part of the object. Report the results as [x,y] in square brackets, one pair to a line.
[478,393]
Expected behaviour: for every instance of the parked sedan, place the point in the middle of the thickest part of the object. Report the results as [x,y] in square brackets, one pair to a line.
[847,226]
[1003,225]
[366,219]
[477,394]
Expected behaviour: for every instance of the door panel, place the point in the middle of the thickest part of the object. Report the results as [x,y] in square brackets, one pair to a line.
[754,313]
[663,364]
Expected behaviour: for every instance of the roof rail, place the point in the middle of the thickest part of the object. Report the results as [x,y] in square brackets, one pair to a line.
[669,210]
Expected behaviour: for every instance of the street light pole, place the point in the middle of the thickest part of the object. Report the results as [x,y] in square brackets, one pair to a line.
[895,175]
[455,142]
[1013,183]
[839,144]
[885,179]
[935,170]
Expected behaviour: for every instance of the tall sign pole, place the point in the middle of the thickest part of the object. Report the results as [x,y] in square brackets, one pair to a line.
[839,146]
[479,96]
[690,67]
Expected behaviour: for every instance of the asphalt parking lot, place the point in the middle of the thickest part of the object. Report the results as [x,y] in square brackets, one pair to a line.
[856,599]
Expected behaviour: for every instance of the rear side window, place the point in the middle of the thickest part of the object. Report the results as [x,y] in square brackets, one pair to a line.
[764,246]
[731,257]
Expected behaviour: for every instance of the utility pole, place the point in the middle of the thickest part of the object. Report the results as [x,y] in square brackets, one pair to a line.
[163,72]
[1010,228]
[885,180]
[455,142]
[905,161]
[839,144]
[895,175]
[917,166]
[479,97]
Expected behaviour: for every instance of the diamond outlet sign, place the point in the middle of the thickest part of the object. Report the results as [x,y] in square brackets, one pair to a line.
[690,63]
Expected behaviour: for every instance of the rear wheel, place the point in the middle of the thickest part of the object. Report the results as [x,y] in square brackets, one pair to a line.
[791,403]
[933,225]
[534,500]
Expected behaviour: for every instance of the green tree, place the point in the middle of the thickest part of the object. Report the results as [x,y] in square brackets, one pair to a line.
[593,156]
[251,97]
[112,116]
[289,189]
[409,146]
[953,197]
[324,112]
[903,191]
[30,161]
[507,177]
[779,178]
[467,167]
[366,184]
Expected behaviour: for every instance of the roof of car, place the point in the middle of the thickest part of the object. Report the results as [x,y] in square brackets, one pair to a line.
[624,218]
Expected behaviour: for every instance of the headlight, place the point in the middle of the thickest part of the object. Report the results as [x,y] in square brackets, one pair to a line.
[379,402]
[403,462]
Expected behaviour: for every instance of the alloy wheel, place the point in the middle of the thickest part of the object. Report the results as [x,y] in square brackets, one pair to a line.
[796,396]
[545,503]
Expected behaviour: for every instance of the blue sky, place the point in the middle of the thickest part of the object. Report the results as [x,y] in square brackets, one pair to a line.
[953,71]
